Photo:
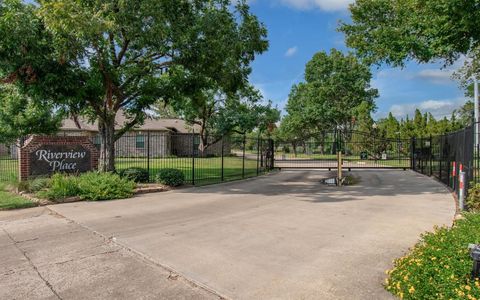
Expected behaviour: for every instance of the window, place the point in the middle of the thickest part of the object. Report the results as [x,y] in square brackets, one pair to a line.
[140,141]
[97,141]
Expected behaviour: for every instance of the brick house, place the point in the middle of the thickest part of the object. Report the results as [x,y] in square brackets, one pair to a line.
[155,138]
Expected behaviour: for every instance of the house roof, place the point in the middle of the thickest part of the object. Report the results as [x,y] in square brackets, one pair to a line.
[151,123]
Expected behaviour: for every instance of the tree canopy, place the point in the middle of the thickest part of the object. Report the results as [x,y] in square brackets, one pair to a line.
[394,31]
[220,114]
[21,116]
[96,58]
[336,86]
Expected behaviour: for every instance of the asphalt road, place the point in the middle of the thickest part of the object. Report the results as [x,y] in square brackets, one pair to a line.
[281,236]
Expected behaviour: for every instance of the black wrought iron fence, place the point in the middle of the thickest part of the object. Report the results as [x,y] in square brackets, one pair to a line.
[8,163]
[203,161]
[444,156]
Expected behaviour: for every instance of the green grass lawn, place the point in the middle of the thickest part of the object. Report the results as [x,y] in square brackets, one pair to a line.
[205,170]
[12,201]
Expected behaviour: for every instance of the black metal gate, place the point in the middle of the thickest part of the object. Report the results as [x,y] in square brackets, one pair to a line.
[359,150]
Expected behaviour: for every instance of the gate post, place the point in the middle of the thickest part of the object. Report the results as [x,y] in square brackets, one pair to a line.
[431,155]
[148,156]
[193,158]
[258,152]
[223,163]
[272,155]
[243,158]
[413,141]
[339,168]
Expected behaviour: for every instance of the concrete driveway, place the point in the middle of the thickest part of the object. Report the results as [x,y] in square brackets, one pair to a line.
[281,236]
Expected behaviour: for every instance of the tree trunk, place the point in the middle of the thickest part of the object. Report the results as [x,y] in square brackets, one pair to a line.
[294,146]
[322,144]
[107,147]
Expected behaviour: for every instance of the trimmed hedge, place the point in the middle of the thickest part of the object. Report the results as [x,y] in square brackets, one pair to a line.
[138,175]
[170,177]
[439,266]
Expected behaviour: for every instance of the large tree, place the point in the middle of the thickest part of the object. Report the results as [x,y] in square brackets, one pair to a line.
[219,114]
[394,31]
[96,58]
[335,86]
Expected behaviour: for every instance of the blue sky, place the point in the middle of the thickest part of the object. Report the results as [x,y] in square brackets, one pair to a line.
[300,28]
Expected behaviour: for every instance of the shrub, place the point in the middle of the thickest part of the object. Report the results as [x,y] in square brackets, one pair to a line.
[104,186]
[60,187]
[39,184]
[439,266]
[473,199]
[33,186]
[135,174]
[170,177]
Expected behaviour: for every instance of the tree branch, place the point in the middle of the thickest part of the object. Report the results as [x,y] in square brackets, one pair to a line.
[127,127]
[113,52]
[122,52]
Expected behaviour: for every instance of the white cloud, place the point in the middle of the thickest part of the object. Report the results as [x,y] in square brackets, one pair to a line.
[326,5]
[436,75]
[291,51]
[438,108]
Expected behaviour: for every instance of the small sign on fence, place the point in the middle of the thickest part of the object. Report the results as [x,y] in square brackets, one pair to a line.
[46,155]
[363,155]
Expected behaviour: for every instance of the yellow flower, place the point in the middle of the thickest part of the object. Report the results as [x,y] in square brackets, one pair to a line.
[405,277]
[468,288]
[411,290]
[461,293]
[477,284]
[433,258]
[398,285]
[401,295]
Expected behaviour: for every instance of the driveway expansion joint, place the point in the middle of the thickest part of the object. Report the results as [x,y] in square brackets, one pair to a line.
[24,253]
[147,259]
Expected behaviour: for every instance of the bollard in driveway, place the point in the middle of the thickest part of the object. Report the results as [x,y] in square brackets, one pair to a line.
[461,190]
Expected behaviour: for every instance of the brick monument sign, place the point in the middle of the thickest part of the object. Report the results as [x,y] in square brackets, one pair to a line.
[46,155]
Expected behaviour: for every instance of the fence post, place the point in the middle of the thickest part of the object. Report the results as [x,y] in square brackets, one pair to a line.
[272,154]
[193,158]
[413,142]
[243,159]
[431,155]
[440,155]
[258,152]
[148,155]
[399,151]
[223,174]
